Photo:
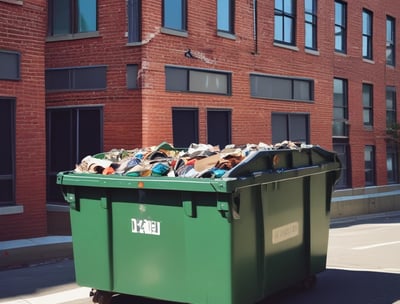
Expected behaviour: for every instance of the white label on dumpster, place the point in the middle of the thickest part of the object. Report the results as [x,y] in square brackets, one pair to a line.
[286,232]
[145,226]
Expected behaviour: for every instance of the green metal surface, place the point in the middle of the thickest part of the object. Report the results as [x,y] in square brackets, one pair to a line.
[222,241]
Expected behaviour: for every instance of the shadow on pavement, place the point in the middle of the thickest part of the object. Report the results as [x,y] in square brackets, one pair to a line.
[332,287]
[38,278]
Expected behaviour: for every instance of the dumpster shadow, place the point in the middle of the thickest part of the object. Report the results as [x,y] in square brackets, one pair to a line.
[343,286]
[333,286]
[386,218]
[29,280]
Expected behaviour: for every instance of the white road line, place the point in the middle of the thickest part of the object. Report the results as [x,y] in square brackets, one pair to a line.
[376,245]
[55,298]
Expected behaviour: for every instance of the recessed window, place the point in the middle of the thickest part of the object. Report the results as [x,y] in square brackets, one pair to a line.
[225,16]
[174,14]
[392,163]
[72,134]
[340,26]
[219,127]
[367,34]
[134,20]
[369,165]
[131,76]
[290,126]
[7,151]
[72,16]
[367,104]
[340,108]
[198,81]
[285,21]
[310,17]
[390,41]
[10,65]
[272,87]
[77,78]
[391,107]
[185,126]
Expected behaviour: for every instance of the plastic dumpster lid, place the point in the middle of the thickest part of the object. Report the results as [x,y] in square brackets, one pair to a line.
[269,161]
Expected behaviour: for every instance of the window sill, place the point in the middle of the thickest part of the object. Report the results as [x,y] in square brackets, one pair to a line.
[174,32]
[312,52]
[226,35]
[368,61]
[286,46]
[18,2]
[57,208]
[368,128]
[74,36]
[15,209]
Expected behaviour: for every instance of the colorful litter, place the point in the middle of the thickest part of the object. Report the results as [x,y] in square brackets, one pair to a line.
[199,160]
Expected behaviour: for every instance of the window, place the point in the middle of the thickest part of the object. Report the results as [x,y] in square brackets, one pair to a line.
[72,134]
[367,34]
[390,41]
[131,76]
[340,26]
[390,107]
[369,160]
[343,152]
[285,21]
[134,20]
[225,16]
[392,163]
[72,16]
[185,126]
[78,78]
[199,81]
[290,126]
[219,127]
[7,151]
[10,65]
[273,87]
[367,104]
[340,108]
[310,17]
[174,14]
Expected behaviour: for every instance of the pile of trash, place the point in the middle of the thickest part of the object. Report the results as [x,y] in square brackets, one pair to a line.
[199,160]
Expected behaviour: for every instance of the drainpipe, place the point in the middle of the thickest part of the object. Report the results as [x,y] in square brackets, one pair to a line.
[255,37]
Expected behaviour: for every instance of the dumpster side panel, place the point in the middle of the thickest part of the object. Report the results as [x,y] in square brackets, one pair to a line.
[248,245]
[286,258]
[91,224]
[320,200]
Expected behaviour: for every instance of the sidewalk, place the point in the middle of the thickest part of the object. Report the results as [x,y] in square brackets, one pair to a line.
[20,253]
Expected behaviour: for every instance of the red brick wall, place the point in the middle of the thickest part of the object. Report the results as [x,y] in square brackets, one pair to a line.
[23,29]
[358,71]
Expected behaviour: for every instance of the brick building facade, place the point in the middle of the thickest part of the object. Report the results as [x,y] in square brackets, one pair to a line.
[125,74]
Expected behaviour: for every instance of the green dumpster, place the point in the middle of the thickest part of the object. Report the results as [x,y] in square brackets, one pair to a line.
[232,240]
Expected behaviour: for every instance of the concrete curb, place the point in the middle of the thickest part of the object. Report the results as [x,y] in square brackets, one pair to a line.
[21,253]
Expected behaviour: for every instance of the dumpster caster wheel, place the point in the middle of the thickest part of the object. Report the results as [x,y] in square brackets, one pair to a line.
[101,297]
[310,282]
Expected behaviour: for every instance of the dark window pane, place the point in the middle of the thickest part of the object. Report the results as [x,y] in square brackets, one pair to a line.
[90,78]
[302,90]
[7,117]
[134,22]
[89,132]
[57,79]
[176,79]
[6,191]
[131,76]
[280,131]
[9,65]
[61,17]
[298,128]
[219,127]
[185,127]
